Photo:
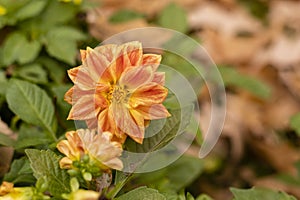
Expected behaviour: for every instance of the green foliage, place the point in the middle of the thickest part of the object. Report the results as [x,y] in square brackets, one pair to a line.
[169,179]
[31,136]
[20,172]
[32,72]
[173,125]
[18,48]
[142,193]
[39,108]
[66,37]
[173,17]
[259,193]
[45,165]
[295,123]
[124,16]
[57,34]
[54,69]
[232,77]
[20,10]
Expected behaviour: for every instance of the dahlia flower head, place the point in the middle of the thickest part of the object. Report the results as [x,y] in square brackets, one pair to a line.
[118,89]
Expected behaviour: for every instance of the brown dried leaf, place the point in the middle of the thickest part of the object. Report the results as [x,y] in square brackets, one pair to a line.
[101,28]
[226,21]
[231,49]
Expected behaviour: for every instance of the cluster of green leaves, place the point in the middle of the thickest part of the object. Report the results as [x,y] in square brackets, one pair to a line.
[40,38]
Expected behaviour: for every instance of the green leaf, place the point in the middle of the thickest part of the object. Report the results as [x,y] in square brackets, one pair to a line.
[295,123]
[32,72]
[61,43]
[171,178]
[31,136]
[56,70]
[64,108]
[67,32]
[17,48]
[259,193]
[32,105]
[31,9]
[6,140]
[231,77]
[58,13]
[3,83]
[20,172]
[45,164]
[204,197]
[142,193]
[124,16]
[174,17]
[172,126]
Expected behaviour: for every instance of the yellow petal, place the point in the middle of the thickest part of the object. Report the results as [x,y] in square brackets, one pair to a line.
[65,163]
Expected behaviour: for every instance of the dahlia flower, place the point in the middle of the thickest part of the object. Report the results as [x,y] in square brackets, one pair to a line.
[118,89]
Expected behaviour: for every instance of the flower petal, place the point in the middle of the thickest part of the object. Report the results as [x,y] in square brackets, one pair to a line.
[96,63]
[147,95]
[108,50]
[159,77]
[156,111]
[152,60]
[136,76]
[65,163]
[125,122]
[81,77]
[92,123]
[114,163]
[130,54]
[84,108]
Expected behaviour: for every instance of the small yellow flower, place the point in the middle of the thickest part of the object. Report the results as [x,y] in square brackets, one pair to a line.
[77,2]
[83,195]
[118,89]
[2,10]
[9,192]
[98,147]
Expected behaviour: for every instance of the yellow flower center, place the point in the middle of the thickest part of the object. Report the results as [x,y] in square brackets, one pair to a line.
[118,94]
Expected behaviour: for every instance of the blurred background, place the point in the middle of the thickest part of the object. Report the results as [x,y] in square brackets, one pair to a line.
[255,44]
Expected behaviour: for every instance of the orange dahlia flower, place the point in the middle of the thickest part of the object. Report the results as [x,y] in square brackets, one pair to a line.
[118,89]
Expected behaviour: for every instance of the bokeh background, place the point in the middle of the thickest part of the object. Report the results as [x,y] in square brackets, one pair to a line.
[255,44]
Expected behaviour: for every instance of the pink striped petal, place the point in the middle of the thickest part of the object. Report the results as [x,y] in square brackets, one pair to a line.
[133,126]
[136,76]
[96,63]
[108,50]
[147,95]
[81,77]
[152,60]
[84,108]
[156,111]
[159,77]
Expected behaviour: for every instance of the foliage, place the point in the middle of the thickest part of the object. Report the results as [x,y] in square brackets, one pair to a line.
[40,41]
